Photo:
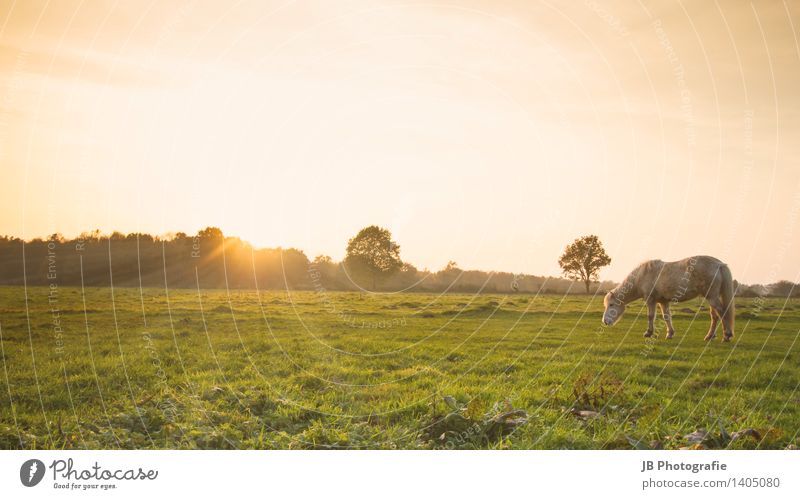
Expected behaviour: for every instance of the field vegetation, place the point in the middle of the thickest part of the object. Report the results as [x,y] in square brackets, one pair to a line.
[129,368]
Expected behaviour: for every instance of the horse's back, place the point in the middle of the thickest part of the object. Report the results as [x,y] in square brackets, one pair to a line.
[697,260]
[702,265]
[693,276]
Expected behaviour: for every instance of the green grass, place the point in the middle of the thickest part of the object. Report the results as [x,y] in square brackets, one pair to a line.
[346,370]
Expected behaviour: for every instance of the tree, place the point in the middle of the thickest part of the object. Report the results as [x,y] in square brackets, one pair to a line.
[583,259]
[210,233]
[323,272]
[783,289]
[373,252]
[451,265]
[323,260]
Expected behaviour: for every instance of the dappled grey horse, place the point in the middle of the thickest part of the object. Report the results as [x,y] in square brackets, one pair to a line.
[662,283]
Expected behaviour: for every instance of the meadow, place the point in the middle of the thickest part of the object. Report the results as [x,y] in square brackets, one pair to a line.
[215,369]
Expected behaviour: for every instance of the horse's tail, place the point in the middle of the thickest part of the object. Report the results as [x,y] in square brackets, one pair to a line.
[727,296]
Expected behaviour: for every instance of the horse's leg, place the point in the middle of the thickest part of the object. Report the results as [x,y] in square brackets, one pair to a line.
[651,315]
[714,298]
[727,323]
[665,312]
[712,331]
[715,309]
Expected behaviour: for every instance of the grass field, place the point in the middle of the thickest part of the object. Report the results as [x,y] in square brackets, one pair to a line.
[146,369]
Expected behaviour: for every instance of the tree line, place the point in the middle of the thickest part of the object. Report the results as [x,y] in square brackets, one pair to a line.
[209,259]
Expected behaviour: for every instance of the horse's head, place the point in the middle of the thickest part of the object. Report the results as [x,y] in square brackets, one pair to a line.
[614,308]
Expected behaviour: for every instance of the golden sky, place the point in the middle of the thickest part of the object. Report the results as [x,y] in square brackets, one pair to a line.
[487,132]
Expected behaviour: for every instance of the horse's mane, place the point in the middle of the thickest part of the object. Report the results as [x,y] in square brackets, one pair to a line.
[647,266]
[632,279]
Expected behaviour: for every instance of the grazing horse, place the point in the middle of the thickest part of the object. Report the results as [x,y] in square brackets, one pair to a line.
[662,283]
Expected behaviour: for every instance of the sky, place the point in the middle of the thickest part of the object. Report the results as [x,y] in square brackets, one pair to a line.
[490,133]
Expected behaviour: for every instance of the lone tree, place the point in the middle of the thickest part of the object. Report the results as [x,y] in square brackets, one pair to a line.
[373,253]
[583,259]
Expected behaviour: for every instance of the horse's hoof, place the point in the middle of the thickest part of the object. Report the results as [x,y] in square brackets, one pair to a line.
[669,336]
[648,334]
[709,338]
[727,338]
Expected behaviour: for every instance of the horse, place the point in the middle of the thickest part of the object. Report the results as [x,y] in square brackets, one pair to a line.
[662,283]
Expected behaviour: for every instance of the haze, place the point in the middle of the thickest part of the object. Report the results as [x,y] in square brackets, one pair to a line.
[489,133]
